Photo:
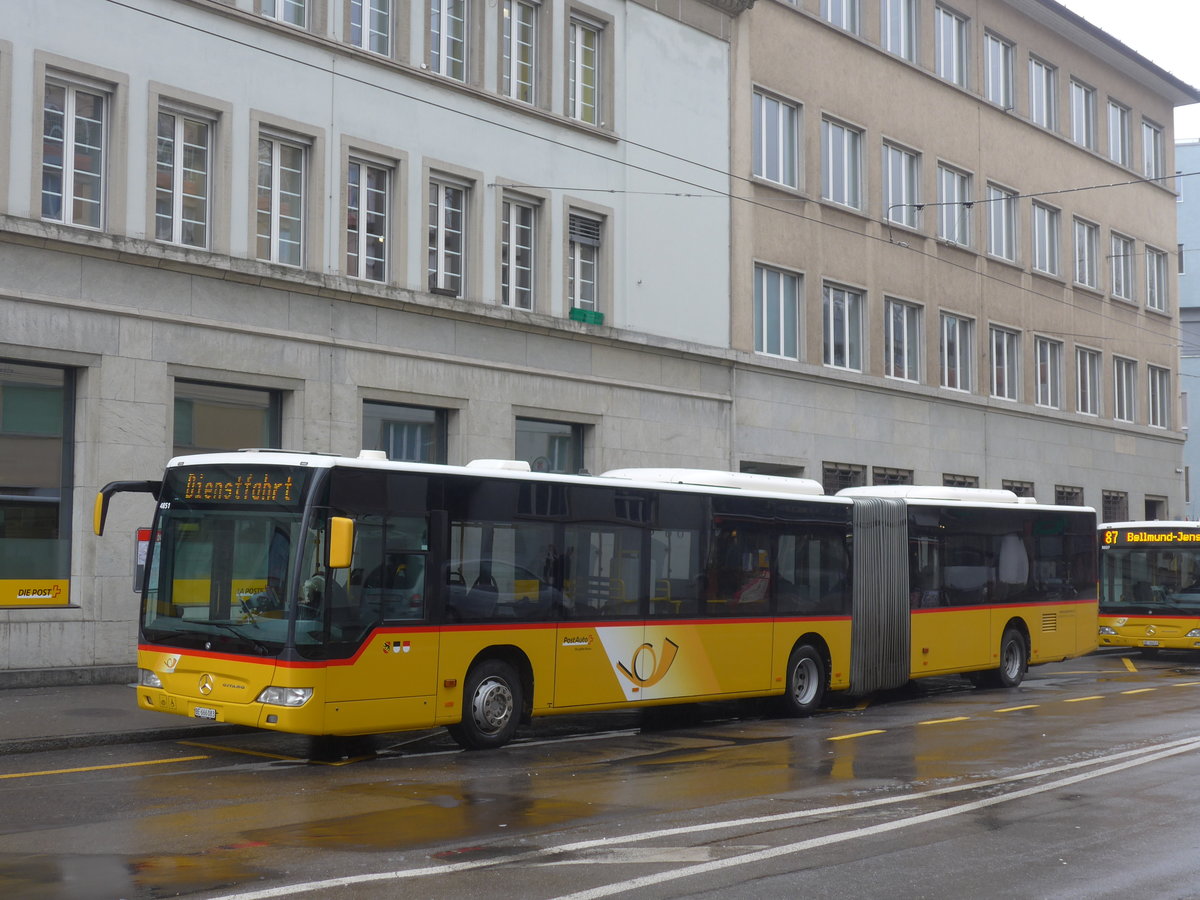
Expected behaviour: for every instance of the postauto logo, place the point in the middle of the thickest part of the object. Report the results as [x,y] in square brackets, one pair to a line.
[39,593]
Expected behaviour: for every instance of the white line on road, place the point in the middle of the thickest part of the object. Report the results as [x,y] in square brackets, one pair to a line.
[1112,763]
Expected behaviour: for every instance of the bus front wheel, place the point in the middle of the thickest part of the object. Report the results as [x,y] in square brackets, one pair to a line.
[806,681]
[492,701]
[1014,661]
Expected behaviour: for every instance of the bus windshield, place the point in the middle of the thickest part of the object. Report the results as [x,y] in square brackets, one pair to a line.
[1145,581]
[223,557]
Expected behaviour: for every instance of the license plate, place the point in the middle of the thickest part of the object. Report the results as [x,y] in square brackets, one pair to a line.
[204,712]
[1149,643]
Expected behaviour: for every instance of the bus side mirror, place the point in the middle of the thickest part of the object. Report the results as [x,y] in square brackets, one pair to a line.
[341,542]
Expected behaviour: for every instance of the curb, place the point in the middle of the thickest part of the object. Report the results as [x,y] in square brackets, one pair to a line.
[105,739]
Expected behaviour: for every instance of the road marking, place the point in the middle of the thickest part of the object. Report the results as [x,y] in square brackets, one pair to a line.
[1082,699]
[1129,664]
[1139,691]
[224,749]
[128,765]
[1187,684]
[857,734]
[1018,708]
[944,721]
[1112,763]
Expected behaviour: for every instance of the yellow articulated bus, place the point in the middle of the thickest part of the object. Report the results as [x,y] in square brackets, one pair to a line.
[1150,585]
[321,595]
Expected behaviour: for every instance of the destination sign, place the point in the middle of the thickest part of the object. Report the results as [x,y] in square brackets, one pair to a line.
[1120,537]
[280,486]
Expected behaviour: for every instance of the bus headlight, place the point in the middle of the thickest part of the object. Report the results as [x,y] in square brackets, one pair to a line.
[285,696]
[1195,632]
[1104,629]
[146,678]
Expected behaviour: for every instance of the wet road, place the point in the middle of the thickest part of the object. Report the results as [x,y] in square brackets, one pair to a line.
[1081,783]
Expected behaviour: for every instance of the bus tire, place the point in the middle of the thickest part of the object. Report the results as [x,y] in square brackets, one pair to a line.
[806,681]
[492,703]
[1014,661]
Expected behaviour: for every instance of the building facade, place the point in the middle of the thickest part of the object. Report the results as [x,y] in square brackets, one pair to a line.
[1187,164]
[587,235]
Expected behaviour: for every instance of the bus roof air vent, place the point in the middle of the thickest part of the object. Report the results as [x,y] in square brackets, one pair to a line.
[747,481]
[373,455]
[504,465]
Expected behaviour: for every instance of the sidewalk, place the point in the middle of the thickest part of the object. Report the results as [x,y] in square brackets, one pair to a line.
[35,719]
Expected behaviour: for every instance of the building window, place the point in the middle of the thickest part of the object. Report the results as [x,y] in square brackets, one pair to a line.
[1083,115]
[447,236]
[883,475]
[1124,389]
[212,417]
[902,340]
[371,25]
[519,51]
[842,13]
[1020,488]
[280,217]
[1043,106]
[550,446]
[518,228]
[955,347]
[835,476]
[1049,373]
[960,481]
[181,191]
[843,328]
[583,72]
[1154,155]
[74,138]
[1006,365]
[583,262]
[776,129]
[998,71]
[1045,239]
[1115,506]
[951,41]
[1122,267]
[1156,280]
[776,313]
[841,169]
[36,441]
[292,12]
[1159,382]
[1087,247]
[901,186]
[1002,222]
[367,188]
[1087,381]
[954,206]
[900,28]
[1118,133]
[408,433]
[448,38]
[1067,495]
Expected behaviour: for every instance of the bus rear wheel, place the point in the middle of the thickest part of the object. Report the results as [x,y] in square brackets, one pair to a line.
[806,680]
[1014,661]
[492,703]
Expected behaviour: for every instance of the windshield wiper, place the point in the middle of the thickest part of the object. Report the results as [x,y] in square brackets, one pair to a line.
[260,646]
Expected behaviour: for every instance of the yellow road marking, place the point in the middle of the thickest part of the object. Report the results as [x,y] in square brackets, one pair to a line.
[944,721]
[1139,691]
[224,749]
[1081,699]
[1187,684]
[1129,664]
[128,765]
[846,737]
[1017,708]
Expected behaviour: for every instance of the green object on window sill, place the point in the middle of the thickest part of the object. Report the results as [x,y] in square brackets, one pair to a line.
[590,316]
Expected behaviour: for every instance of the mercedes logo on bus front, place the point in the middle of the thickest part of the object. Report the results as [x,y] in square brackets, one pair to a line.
[206,684]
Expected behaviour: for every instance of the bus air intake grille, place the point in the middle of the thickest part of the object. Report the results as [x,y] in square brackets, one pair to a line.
[1050,621]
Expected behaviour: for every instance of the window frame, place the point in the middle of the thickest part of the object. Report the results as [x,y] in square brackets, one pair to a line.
[278,11]
[788,332]
[848,191]
[951,43]
[1005,355]
[442,36]
[1047,249]
[1123,270]
[1124,389]
[278,141]
[954,205]
[958,360]
[902,348]
[898,33]
[1088,400]
[1120,136]
[1002,237]
[176,193]
[1083,115]
[361,237]
[843,14]
[578,261]
[1048,361]
[366,11]
[1154,150]
[999,70]
[69,174]
[577,105]
[1087,252]
[1043,94]
[786,168]
[1158,386]
[441,277]
[902,201]
[842,317]
[510,83]
[1157,275]
[509,229]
